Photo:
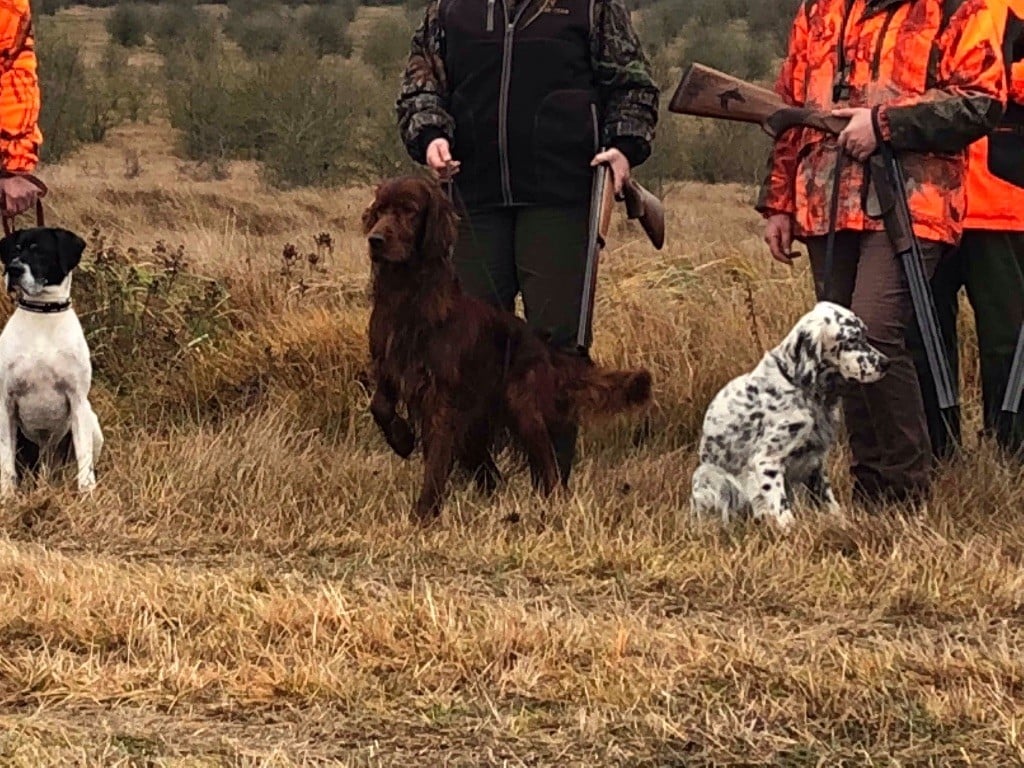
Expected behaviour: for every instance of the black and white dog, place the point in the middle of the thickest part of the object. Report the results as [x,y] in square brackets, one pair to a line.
[45,368]
[767,432]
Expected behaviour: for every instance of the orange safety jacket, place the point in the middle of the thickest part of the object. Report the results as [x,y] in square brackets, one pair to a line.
[20,137]
[933,74]
[995,166]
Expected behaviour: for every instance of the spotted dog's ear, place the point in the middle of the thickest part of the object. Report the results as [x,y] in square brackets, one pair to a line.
[806,356]
[69,249]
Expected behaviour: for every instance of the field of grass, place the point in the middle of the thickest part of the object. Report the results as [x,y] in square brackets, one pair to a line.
[244,588]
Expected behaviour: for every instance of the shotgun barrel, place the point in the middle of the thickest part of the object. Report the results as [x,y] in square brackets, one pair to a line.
[1015,384]
[706,92]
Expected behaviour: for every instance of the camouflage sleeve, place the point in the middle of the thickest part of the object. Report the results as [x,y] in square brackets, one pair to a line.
[628,92]
[777,189]
[422,102]
[969,92]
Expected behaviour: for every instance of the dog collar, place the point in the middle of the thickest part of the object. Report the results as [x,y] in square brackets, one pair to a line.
[45,308]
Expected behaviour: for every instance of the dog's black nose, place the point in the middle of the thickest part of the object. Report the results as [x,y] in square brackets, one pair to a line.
[376,244]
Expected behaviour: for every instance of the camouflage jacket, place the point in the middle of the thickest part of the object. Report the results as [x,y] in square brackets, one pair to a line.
[621,75]
[932,74]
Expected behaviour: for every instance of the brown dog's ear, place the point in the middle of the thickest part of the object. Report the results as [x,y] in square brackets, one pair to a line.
[440,225]
[369,216]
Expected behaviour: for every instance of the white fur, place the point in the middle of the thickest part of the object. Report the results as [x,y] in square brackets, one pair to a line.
[769,431]
[45,378]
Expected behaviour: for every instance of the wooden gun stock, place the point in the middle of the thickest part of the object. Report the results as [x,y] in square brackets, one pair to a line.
[706,92]
[643,206]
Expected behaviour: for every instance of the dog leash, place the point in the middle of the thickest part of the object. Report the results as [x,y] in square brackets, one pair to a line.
[42,192]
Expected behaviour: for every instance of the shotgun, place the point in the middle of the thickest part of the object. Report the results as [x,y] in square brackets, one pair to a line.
[1015,384]
[641,205]
[601,202]
[706,92]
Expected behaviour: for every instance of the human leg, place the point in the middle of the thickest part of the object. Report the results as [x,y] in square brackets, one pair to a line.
[485,256]
[550,245]
[886,420]
[994,268]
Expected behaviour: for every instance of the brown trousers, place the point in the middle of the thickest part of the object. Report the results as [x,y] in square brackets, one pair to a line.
[892,456]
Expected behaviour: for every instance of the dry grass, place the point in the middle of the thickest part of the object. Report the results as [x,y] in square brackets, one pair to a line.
[244,589]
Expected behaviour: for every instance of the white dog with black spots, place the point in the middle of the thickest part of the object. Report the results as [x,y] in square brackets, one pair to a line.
[768,432]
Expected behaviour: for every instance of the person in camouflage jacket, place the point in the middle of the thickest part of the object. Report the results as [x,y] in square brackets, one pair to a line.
[516,101]
[926,78]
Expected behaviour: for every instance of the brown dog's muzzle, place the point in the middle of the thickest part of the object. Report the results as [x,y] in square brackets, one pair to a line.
[377,243]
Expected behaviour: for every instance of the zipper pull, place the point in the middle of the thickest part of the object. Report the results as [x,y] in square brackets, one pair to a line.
[490,15]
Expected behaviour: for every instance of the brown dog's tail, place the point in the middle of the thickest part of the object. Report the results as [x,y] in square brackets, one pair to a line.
[596,391]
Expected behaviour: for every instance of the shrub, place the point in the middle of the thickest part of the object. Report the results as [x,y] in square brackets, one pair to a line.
[128,25]
[325,28]
[48,7]
[772,22]
[305,117]
[80,104]
[386,46]
[207,104]
[181,25]
[730,49]
[145,314]
[258,30]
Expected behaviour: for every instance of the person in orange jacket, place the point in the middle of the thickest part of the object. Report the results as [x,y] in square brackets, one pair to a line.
[926,77]
[20,137]
[990,260]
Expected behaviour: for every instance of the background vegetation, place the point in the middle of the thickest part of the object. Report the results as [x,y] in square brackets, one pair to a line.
[285,85]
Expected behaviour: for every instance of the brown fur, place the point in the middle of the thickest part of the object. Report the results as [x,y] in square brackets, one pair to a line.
[462,368]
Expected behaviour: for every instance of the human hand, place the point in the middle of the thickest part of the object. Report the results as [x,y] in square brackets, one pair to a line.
[778,233]
[618,164]
[858,138]
[439,158]
[18,193]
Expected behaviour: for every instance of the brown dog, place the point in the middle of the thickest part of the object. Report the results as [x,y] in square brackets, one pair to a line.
[462,368]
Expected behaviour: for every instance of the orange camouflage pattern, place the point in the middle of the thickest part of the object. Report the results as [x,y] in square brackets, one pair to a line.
[993,203]
[934,73]
[20,137]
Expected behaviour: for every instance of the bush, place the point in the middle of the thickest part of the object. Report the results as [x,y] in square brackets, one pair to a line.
[325,28]
[146,316]
[305,120]
[80,104]
[772,22]
[386,47]
[49,7]
[181,25]
[258,31]
[730,49]
[207,104]
[128,25]
[308,123]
